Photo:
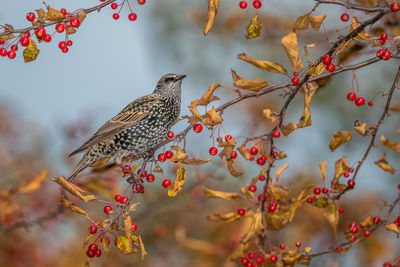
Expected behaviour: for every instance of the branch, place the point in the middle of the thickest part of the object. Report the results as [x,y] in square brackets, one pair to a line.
[349,5]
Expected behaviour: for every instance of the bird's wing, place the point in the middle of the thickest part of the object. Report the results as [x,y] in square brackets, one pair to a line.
[134,113]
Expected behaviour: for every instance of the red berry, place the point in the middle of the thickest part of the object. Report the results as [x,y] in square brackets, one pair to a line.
[382,42]
[252,188]
[107,209]
[275,154]
[62,44]
[257,4]
[90,254]
[74,22]
[346,174]
[251,158]
[63,10]
[261,178]
[376,219]
[370,103]
[132,16]
[3,52]
[273,258]
[282,246]
[40,32]
[260,260]
[351,169]
[134,226]
[11,54]
[14,47]
[351,96]
[60,27]
[244,261]
[69,43]
[117,198]
[260,161]
[139,187]
[295,73]
[219,139]
[228,137]
[353,238]
[166,183]
[170,134]
[327,59]
[234,155]
[387,264]
[253,151]
[2,41]
[310,199]
[251,255]
[115,16]
[379,53]
[295,80]
[213,151]
[360,101]
[114,5]
[386,55]
[276,134]
[93,248]
[330,67]
[198,128]
[341,211]
[298,244]
[47,38]
[124,200]
[169,154]
[317,190]
[339,249]
[93,229]
[98,253]
[354,230]
[394,7]
[150,178]
[242,4]
[30,16]
[261,196]
[352,225]
[325,190]
[241,212]
[162,157]
[141,2]
[273,206]
[367,233]
[351,183]
[142,174]
[27,34]
[344,17]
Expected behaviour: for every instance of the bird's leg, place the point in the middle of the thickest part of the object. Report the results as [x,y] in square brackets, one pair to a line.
[126,169]
[135,179]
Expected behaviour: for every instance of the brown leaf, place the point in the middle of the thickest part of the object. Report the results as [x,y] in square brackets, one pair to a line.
[395,107]
[316,21]
[232,169]
[225,217]
[179,156]
[253,28]
[362,35]
[211,14]
[271,115]
[367,222]
[74,189]
[255,84]
[195,161]
[390,144]
[209,193]
[128,226]
[31,52]
[71,30]
[289,43]
[256,226]
[309,91]
[179,182]
[302,22]
[203,101]
[74,208]
[322,167]
[143,252]
[384,165]
[288,129]
[264,65]
[33,184]
[297,203]
[361,129]
[81,16]
[6,37]
[341,166]
[279,171]
[194,244]
[54,14]
[244,152]
[331,213]
[339,138]
[212,118]
[317,70]
[41,13]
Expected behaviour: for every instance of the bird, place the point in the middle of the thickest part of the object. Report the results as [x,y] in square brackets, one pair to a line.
[138,129]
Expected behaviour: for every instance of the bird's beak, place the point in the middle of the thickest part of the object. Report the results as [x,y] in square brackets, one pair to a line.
[180,77]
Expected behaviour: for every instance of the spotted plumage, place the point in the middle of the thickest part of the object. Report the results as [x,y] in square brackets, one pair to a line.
[138,129]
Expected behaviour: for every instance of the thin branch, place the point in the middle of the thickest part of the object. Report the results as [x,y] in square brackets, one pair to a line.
[349,5]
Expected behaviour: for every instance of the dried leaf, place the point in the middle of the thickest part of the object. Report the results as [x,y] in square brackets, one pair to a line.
[316,21]
[253,28]
[124,245]
[331,213]
[302,22]
[279,171]
[390,144]
[209,193]
[33,184]
[244,152]
[179,182]
[255,84]
[384,165]
[342,47]
[211,14]
[226,217]
[367,222]
[264,65]
[339,138]
[128,226]
[289,43]
[71,30]
[307,250]
[179,156]
[74,208]
[296,204]
[317,70]
[212,118]
[143,252]
[195,161]
[393,228]
[341,166]
[288,129]
[322,167]
[256,226]
[232,169]
[203,101]
[194,244]
[74,189]
[361,129]
[54,14]
[271,115]
[306,50]
[395,107]
[104,240]
[41,13]
[362,35]
[6,37]
[31,52]
[81,16]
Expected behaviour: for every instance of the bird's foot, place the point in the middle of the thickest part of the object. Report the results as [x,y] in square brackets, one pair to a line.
[126,169]
[136,182]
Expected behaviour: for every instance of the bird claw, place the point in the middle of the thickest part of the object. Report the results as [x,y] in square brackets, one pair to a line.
[136,182]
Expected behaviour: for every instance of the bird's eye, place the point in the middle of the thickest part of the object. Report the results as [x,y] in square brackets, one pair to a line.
[169,79]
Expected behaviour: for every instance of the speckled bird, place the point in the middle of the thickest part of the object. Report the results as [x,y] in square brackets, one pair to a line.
[138,129]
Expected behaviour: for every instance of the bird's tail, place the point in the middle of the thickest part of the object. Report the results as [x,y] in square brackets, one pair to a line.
[82,164]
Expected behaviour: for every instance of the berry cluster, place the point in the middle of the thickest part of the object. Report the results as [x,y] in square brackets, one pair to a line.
[256,4]
[253,259]
[327,59]
[132,16]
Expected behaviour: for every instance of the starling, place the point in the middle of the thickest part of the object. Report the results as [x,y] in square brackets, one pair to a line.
[138,129]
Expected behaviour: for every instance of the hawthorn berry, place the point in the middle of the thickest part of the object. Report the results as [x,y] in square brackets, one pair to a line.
[354,230]
[257,4]
[386,55]
[213,151]
[242,4]
[169,154]
[27,34]
[253,151]
[340,211]
[367,233]
[132,16]
[198,127]
[244,261]
[142,174]
[273,206]
[14,47]
[317,190]
[260,161]
[114,5]
[30,16]
[108,209]
[353,238]
[166,183]
[260,260]
[162,157]
[360,101]
[351,183]
[3,52]
[241,211]
[60,27]
[170,134]
[63,10]
[228,137]
[379,53]
[261,196]
[276,134]
[351,169]
[93,248]
[346,174]
[98,253]
[2,41]
[11,54]
[275,154]
[309,199]
[47,38]
[295,73]
[351,96]
[62,44]
[376,219]
[141,2]
[118,198]
[252,188]
[325,190]
[273,258]
[74,22]
[352,225]
[298,244]
[139,188]
[234,155]
[295,80]
[282,246]
[90,254]
[219,139]
[330,67]
[93,229]
[370,103]
[344,17]
[134,226]
[339,249]
[24,41]
[251,158]
[326,59]
[150,178]
[395,7]
[251,255]
[40,32]
[124,200]
[382,42]
[261,178]
[115,16]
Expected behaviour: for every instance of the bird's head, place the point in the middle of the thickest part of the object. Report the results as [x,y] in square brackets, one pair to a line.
[169,85]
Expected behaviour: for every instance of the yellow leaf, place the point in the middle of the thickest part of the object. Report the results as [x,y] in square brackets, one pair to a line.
[279,171]
[367,222]
[244,152]
[41,13]
[342,47]
[362,35]
[322,167]
[133,206]
[31,52]
[179,156]
[339,138]
[264,65]
[6,37]
[361,129]
[393,228]
[211,14]
[289,43]
[209,193]
[307,250]
[212,118]
[390,144]
[316,21]
[54,14]
[317,70]
[74,189]
[331,213]
[142,250]
[296,205]
[128,226]
[105,243]
[288,129]
[124,245]
[226,217]
[271,115]
[253,28]
[384,165]
[33,184]
[179,182]
[256,226]
[255,84]
[341,166]
[302,22]
[99,162]
[74,208]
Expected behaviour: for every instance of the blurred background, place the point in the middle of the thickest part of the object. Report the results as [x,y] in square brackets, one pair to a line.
[50,106]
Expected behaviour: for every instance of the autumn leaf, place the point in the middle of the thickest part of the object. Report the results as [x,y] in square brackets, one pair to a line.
[203,101]
[393,228]
[309,91]
[395,107]
[362,35]
[390,144]
[279,171]
[211,14]
[209,193]
[128,226]
[297,203]
[74,189]
[232,168]
[33,184]
[195,161]
[253,28]
[41,14]
[341,166]
[194,244]
[289,43]
[81,16]
[71,30]
[225,217]
[31,52]
[264,65]
[179,156]
[339,138]
[212,118]
[302,22]
[54,14]
[255,84]
[361,129]
[288,129]
[316,21]
[322,167]
[71,206]
[124,245]
[384,165]
[331,214]
[179,182]
[143,252]
[256,225]
[271,115]
[244,151]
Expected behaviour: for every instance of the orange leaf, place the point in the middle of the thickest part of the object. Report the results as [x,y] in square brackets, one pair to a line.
[264,65]
[211,14]
[289,43]
[74,189]
[255,84]
[33,184]
[209,193]
[339,138]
